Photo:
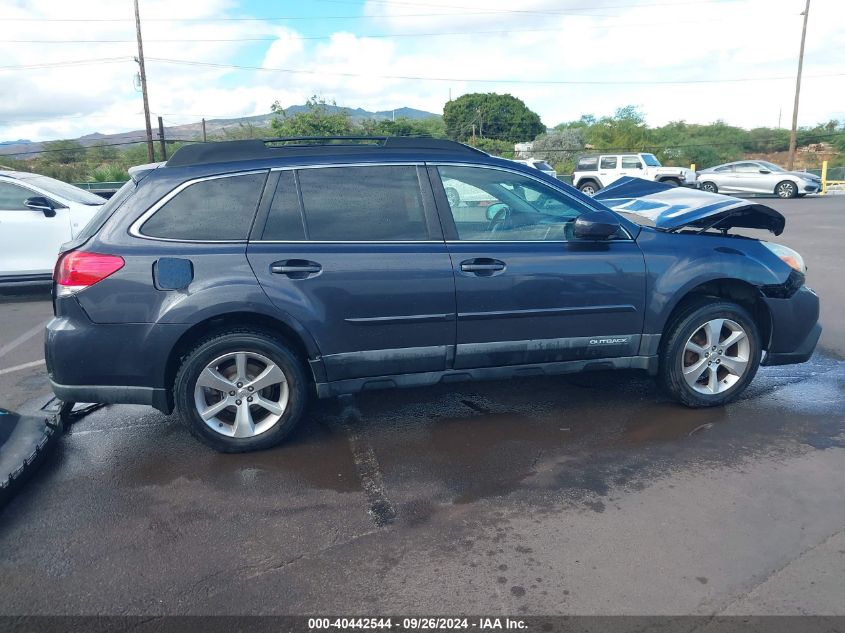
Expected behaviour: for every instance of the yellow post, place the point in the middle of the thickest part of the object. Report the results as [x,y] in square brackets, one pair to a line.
[824,177]
[692,167]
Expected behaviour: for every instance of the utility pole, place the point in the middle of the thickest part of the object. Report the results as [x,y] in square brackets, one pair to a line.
[204,138]
[140,60]
[161,138]
[793,134]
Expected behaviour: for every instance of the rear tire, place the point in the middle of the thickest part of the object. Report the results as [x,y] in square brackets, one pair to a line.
[588,188]
[786,189]
[710,353]
[453,197]
[709,187]
[241,390]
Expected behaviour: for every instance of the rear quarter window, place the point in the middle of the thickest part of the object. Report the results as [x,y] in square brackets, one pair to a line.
[218,209]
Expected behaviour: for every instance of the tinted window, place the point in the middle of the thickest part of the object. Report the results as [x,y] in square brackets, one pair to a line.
[747,168]
[12,197]
[216,209]
[588,163]
[631,162]
[608,162]
[501,205]
[724,168]
[285,219]
[106,211]
[368,204]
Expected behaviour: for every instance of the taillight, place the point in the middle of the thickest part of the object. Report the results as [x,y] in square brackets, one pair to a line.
[77,270]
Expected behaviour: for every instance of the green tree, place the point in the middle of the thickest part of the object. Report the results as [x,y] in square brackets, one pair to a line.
[102,152]
[559,147]
[319,119]
[63,152]
[403,126]
[502,117]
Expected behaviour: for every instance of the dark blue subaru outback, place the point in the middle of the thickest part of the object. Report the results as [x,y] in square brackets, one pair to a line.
[239,278]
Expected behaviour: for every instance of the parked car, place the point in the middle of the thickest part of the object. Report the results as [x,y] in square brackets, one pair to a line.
[758,176]
[37,215]
[538,164]
[238,278]
[594,172]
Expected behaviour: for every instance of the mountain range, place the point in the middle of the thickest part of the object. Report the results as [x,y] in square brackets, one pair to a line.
[28,149]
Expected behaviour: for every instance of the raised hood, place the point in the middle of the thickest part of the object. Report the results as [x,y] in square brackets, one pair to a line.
[672,208]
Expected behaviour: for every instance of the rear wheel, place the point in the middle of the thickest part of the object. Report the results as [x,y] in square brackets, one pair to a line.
[711,354]
[709,186]
[453,197]
[786,189]
[588,188]
[241,391]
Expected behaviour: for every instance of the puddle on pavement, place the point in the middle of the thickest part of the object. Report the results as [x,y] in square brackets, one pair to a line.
[667,422]
[479,456]
[315,456]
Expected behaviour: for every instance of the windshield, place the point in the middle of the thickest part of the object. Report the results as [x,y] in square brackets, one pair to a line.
[543,166]
[770,166]
[66,191]
[651,160]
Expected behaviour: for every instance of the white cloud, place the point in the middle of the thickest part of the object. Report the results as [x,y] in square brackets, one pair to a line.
[548,40]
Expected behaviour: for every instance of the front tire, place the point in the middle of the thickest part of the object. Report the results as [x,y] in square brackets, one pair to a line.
[711,353]
[786,189]
[241,390]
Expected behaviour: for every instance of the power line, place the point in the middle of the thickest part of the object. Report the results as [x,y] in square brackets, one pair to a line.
[572,12]
[140,141]
[78,62]
[537,82]
[286,37]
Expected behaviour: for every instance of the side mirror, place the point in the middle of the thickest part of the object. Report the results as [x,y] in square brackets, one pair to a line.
[497,212]
[765,171]
[595,225]
[639,165]
[40,203]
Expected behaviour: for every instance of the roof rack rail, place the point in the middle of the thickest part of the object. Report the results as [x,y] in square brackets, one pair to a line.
[257,149]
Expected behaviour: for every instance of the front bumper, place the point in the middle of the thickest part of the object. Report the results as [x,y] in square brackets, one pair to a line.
[795,327]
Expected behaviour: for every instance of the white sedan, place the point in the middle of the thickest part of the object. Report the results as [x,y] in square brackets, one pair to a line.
[37,215]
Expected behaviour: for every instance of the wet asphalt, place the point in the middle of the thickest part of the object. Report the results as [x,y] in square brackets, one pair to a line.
[586,494]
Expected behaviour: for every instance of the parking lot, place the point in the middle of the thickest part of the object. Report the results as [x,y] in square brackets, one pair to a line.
[581,495]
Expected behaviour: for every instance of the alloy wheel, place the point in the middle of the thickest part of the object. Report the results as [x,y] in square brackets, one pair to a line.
[716,356]
[786,190]
[241,394]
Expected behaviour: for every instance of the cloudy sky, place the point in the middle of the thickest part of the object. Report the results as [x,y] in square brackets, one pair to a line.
[66,68]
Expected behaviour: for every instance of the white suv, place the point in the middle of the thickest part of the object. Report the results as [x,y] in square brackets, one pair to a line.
[594,172]
[37,215]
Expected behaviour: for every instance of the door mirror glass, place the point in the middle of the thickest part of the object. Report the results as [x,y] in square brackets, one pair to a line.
[596,225]
[498,211]
[40,203]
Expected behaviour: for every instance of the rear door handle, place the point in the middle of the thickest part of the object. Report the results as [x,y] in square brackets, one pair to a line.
[482,266]
[295,268]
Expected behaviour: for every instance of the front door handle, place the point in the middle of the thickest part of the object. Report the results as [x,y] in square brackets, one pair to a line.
[295,268]
[482,266]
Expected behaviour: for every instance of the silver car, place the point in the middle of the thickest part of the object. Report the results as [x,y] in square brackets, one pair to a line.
[758,176]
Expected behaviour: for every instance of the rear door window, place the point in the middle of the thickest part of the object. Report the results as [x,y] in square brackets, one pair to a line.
[217,209]
[363,204]
[608,162]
